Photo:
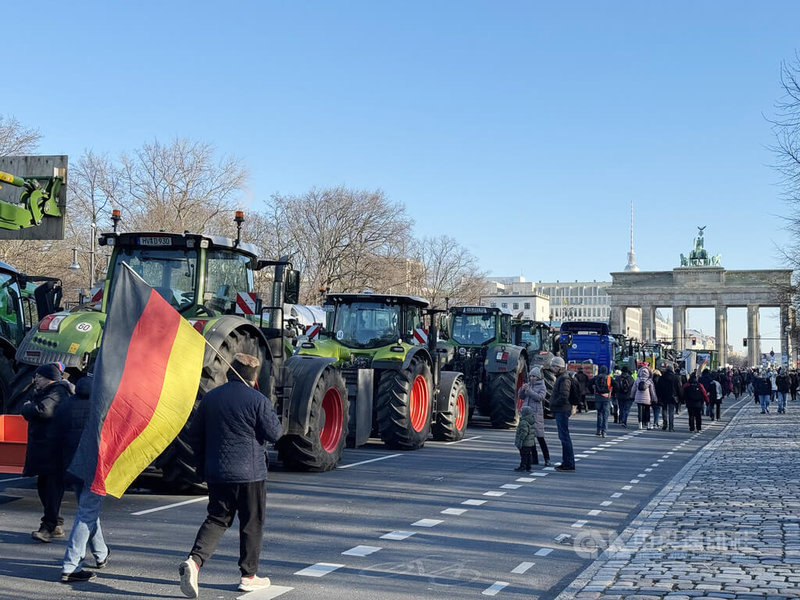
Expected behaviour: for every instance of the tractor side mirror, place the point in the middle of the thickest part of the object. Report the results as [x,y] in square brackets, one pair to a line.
[291,293]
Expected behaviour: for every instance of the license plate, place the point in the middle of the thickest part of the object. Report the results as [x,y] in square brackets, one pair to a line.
[155,241]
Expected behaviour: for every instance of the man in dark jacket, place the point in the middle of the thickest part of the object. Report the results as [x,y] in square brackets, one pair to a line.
[707,381]
[762,389]
[782,382]
[229,433]
[42,456]
[624,386]
[668,390]
[561,408]
[695,397]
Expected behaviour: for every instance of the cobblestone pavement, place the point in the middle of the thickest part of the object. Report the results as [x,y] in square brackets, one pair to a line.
[726,526]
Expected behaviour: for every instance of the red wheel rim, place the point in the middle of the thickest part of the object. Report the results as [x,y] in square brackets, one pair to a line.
[332,413]
[461,412]
[418,403]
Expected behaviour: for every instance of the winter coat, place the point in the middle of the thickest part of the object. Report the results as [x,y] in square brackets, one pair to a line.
[230,431]
[668,389]
[763,386]
[782,381]
[648,394]
[534,397]
[559,400]
[694,395]
[708,384]
[793,381]
[526,436]
[43,453]
[70,418]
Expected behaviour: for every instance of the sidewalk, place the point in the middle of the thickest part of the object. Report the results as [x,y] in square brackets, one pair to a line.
[726,526]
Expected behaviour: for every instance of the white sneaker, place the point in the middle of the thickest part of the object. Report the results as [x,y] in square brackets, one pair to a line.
[251,584]
[640,426]
[649,426]
[189,570]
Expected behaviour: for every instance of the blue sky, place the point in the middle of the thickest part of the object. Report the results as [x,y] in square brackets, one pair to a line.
[522,129]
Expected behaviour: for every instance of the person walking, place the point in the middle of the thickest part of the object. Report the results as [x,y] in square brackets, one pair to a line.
[624,397]
[695,398]
[71,416]
[762,387]
[615,395]
[533,394]
[655,405]
[794,382]
[42,456]
[668,390]
[644,394]
[707,381]
[229,434]
[561,408]
[782,384]
[582,380]
[525,439]
[602,399]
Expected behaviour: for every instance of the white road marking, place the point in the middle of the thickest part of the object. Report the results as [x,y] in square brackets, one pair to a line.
[361,550]
[627,487]
[494,588]
[606,503]
[561,537]
[522,567]
[642,475]
[462,440]
[454,511]
[318,570]
[427,523]
[269,593]
[364,462]
[655,464]
[510,486]
[634,481]
[594,513]
[648,470]
[616,495]
[543,552]
[397,535]
[525,479]
[579,524]
[493,493]
[540,474]
[13,479]
[165,507]
[473,502]
[582,455]
[590,451]
[549,469]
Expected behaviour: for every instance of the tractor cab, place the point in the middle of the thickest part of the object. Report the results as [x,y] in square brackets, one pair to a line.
[479,325]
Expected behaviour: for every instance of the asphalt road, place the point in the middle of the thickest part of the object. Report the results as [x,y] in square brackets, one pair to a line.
[447,521]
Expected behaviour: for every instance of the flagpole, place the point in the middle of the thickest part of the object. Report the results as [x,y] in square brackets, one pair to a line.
[230,366]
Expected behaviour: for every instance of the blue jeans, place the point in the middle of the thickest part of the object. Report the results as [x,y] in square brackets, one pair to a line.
[764,399]
[602,407]
[624,409]
[656,415]
[85,530]
[567,454]
[781,401]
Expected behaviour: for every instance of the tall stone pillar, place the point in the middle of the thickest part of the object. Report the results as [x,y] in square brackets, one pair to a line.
[721,333]
[785,344]
[678,326]
[648,324]
[616,319]
[753,336]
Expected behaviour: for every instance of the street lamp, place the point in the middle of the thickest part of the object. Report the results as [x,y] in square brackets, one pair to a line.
[75,266]
[786,360]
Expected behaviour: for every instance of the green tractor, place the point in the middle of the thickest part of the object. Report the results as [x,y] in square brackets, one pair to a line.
[23,299]
[478,343]
[396,388]
[209,280]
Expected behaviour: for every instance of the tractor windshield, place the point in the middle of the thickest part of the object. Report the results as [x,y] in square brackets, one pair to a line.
[474,329]
[366,324]
[172,273]
[11,327]
[534,337]
[228,274]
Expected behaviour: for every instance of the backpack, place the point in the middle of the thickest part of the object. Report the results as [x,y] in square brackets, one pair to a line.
[693,392]
[601,385]
[642,385]
[624,385]
[575,393]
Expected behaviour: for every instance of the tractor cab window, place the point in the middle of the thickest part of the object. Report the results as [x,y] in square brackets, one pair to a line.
[171,273]
[534,338]
[228,274]
[474,329]
[505,329]
[366,324]
[11,326]
[411,320]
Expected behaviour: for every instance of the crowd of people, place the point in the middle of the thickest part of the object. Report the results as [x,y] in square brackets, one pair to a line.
[657,395]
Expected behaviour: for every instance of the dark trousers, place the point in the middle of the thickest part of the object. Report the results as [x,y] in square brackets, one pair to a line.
[50,487]
[567,452]
[716,409]
[526,457]
[695,418]
[225,500]
[545,451]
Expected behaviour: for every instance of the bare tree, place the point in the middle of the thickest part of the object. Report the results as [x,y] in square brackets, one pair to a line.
[341,239]
[180,186]
[16,138]
[448,271]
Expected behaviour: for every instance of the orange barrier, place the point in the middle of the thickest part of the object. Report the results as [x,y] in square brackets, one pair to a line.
[13,441]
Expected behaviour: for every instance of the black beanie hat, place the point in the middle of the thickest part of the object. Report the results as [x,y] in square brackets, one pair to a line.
[50,371]
[247,366]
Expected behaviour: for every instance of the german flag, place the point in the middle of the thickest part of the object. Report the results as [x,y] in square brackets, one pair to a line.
[145,384]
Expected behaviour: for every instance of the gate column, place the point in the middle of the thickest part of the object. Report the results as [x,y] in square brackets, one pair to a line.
[648,330]
[753,355]
[721,333]
[678,320]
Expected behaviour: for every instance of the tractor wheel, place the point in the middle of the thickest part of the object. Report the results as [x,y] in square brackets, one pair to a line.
[177,461]
[503,389]
[321,448]
[451,424]
[18,389]
[404,406]
[6,376]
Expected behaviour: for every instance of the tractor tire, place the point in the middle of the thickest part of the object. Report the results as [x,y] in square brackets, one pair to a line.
[321,448]
[451,424]
[503,387]
[21,384]
[177,462]
[6,377]
[404,406]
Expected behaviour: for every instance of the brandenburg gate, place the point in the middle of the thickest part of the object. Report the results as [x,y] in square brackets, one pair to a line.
[700,281]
